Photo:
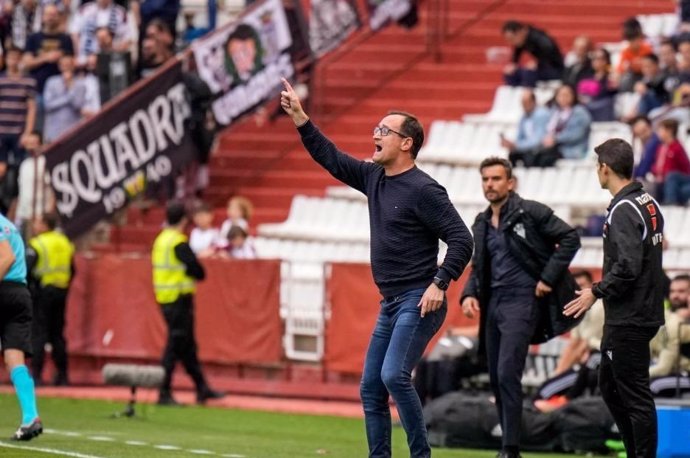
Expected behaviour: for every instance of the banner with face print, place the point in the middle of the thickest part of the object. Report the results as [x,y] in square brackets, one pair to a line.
[383,11]
[123,151]
[330,23]
[243,62]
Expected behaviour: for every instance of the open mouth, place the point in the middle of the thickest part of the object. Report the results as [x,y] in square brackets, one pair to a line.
[378,148]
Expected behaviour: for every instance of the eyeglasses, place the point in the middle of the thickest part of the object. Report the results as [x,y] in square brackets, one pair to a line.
[384,131]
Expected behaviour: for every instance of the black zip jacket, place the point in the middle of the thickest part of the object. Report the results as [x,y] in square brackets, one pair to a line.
[544,245]
[633,281]
[544,48]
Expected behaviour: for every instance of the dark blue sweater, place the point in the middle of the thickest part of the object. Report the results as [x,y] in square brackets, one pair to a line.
[408,214]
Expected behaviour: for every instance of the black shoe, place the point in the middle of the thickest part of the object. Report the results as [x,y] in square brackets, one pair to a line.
[166,399]
[205,395]
[26,433]
[508,455]
[60,380]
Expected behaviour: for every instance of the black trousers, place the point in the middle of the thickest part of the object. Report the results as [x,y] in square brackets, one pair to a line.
[48,327]
[181,345]
[624,384]
[512,317]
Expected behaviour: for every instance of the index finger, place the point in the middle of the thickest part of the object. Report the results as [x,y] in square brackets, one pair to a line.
[287,85]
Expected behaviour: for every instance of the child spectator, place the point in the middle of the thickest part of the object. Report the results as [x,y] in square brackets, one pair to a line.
[671,167]
[629,69]
[204,236]
[240,247]
[239,213]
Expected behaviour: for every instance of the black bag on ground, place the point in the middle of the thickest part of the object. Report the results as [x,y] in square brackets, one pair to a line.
[584,425]
[460,420]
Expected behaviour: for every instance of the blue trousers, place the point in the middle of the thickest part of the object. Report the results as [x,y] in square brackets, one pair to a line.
[395,348]
[512,317]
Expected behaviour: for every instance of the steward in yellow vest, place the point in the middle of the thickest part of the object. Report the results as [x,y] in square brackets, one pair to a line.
[50,257]
[175,271]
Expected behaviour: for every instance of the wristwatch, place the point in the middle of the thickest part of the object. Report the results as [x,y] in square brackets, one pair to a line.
[442,284]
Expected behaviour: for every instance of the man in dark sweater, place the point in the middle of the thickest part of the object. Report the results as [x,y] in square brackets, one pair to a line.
[632,287]
[409,212]
[527,39]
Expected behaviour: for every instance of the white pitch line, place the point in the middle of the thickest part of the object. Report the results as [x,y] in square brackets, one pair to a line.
[51,451]
[201,452]
[101,438]
[232,455]
[136,443]
[167,447]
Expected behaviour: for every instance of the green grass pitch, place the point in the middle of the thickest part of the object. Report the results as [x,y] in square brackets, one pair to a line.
[85,429]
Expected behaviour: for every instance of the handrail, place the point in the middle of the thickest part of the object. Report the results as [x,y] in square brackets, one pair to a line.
[351,45]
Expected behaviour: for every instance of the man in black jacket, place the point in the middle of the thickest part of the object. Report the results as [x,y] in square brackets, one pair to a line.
[632,290]
[520,281]
[525,38]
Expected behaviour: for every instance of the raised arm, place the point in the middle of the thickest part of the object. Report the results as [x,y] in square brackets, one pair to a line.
[343,167]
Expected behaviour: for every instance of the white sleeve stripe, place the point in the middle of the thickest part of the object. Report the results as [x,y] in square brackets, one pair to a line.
[624,201]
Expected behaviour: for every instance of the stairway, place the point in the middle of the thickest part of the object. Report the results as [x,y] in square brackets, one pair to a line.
[393,69]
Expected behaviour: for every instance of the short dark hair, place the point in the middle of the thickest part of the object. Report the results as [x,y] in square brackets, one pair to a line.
[161,25]
[669,42]
[618,155]
[236,231]
[671,125]
[531,95]
[605,52]
[495,160]
[653,57]
[13,48]
[512,26]
[681,277]
[632,29]
[51,220]
[202,207]
[174,213]
[639,118]
[411,127]
[584,273]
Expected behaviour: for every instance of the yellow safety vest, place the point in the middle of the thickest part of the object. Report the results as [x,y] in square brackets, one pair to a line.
[170,279]
[54,265]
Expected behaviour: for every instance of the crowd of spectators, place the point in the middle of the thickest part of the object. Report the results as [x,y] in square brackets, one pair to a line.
[60,61]
[648,86]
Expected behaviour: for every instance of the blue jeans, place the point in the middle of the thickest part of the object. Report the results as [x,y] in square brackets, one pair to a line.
[395,348]
[676,189]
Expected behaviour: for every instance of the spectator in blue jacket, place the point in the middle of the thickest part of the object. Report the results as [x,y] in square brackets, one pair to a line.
[531,130]
[568,129]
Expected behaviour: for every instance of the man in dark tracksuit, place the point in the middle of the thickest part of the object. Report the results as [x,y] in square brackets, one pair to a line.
[520,281]
[632,290]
